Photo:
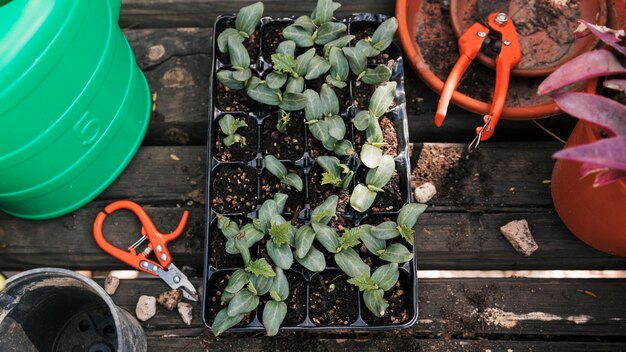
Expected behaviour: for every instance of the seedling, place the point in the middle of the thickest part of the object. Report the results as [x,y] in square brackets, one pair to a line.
[364,195]
[246,22]
[374,287]
[283,121]
[335,173]
[316,29]
[229,126]
[276,168]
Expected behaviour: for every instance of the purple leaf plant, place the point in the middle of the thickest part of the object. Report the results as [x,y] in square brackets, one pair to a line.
[606,158]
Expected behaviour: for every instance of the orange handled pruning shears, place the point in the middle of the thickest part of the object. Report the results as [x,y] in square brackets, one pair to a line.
[157,243]
[509,57]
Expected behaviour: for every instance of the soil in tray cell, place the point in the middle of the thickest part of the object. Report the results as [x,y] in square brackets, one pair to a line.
[251,44]
[399,299]
[318,192]
[332,300]
[271,37]
[237,152]
[392,197]
[296,302]
[285,146]
[213,301]
[364,30]
[390,136]
[271,185]
[234,189]
[218,257]
[343,95]
[230,100]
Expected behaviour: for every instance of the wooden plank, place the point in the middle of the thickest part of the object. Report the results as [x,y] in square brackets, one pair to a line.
[202,13]
[369,343]
[492,308]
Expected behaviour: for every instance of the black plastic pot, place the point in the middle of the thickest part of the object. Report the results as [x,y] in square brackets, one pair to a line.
[52,309]
[215,272]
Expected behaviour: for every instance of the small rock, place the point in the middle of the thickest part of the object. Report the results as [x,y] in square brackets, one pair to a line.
[518,234]
[424,192]
[184,309]
[111,283]
[146,308]
[169,299]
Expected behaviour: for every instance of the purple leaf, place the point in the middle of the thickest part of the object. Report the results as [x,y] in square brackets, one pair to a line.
[591,64]
[609,36]
[616,84]
[598,110]
[609,176]
[608,152]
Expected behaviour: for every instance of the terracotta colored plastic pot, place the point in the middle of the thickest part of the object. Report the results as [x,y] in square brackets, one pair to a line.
[597,215]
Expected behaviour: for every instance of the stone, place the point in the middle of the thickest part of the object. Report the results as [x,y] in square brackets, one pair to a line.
[111,283]
[146,308]
[518,234]
[170,299]
[185,311]
[425,192]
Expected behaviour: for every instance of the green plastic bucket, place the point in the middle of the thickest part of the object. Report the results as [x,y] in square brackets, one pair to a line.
[74,105]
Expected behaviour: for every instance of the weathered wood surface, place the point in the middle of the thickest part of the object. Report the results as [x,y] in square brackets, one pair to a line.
[460,231]
[492,308]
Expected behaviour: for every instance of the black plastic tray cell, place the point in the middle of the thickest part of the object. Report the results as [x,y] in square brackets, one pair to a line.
[318,301]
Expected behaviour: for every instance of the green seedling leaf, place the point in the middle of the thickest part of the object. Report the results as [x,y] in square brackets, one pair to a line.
[273,315]
[249,17]
[237,281]
[267,210]
[385,231]
[302,62]
[373,133]
[260,267]
[409,213]
[262,93]
[363,282]
[383,36]
[386,276]
[284,63]
[280,286]
[306,23]
[406,233]
[373,244]
[229,141]
[329,31]
[226,297]
[243,302]
[279,232]
[222,39]
[294,181]
[396,253]
[375,302]
[300,36]
[350,238]
[242,75]
[366,48]
[362,120]
[337,43]
[238,54]
[295,85]
[281,200]
[251,234]
[344,148]
[223,321]
[330,103]
[275,167]
[293,101]
[329,142]
[382,98]
[260,284]
[326,236]
[335,83]
[275,80]
[227,79]
[316,68]
[229,228]
[313,260]
[350,262]
[371,156]
[229,125]
[380,176]
[336,127]
[313,107]
[281,254]
[362,198]
[323,12]
[333,169]
[319,130]
[356,59]
[377,75]
[304,240]
[339,67]
[287,47]
[242,246]
[324,212]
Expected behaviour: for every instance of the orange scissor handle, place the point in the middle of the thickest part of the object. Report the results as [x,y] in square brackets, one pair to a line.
[469,46]
[157,241]
[509,57]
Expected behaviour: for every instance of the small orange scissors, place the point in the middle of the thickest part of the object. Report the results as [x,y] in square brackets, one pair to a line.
[157,243]
[508,58]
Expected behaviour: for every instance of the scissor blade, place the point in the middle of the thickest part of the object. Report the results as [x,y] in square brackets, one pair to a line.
[487,7]
[177,280]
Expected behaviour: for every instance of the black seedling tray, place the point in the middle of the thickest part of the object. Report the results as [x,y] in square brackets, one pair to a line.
[215,272]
